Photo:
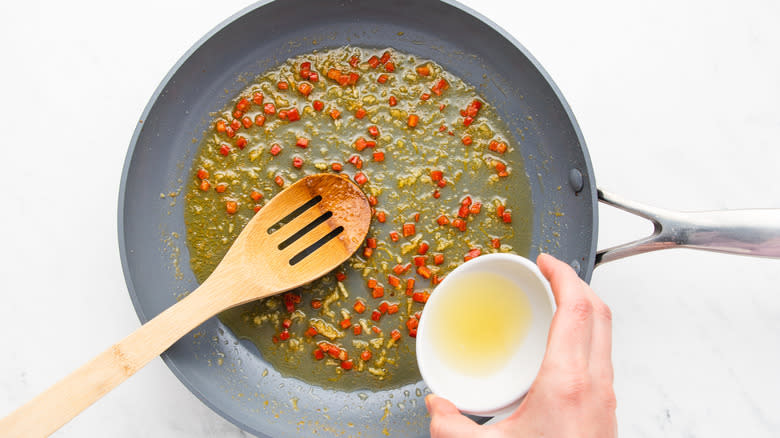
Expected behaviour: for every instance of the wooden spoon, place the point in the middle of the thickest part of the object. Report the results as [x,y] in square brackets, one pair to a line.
[300,235]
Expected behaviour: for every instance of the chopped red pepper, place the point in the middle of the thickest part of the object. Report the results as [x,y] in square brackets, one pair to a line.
[305,88]
[423,248]
[463,211]
[419,260]
[293,114]
[408,229]
[421,297]
[424,271]
[318,105]
[442,220]
[297,162]
[269,108]
[340,276]
[224,149]
[354,61]
[436,194]
[507,216]
[275,149]
[473,253]
[257,98]
[392,308]
[361,178]
[302,142]
[241,142]
[373,130]
[467,140]
[203,174]
[311,332]
[345,323]
[316,304]
[221,187]
[359,306]
[436,175]
[259,120]
[220,126]
[371,242]
[385,57]
[395,335]
[392,101]
[440,86]
[255,195]
[401,269]
[389,67]
[378,292]
[379,156]
[413,120]
[425,96]
[373,61]
[438,258]
[365,355]
[278,180]
[287,323]
[381,216]
[475,208]
[382,78]
[383,307]
[231,206]
[319,354]
[459,224]
[204,185]
[495,243]
[335,114]
[372,283]
[283,85]
[360,113]
[367,252]
[394,236]
[357,329]
[423,70]
[338,167]
[376,315]
[393,280]
[346,364]
[247,122]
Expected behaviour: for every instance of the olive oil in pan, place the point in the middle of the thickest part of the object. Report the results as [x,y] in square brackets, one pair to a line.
[481,323]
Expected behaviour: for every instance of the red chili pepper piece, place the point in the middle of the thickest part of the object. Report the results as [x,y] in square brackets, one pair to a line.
[361,178]
[421,297]
[378,292]
[278,180]
[269,108]
[255,195]
[495,243]
[203,174]
[241,142]
[438,259]
[220,188]
[293,114]
[459,224]
[423,248]
[257,98]
[475,208]
[382,78]
[359,306]
[466,140]
[259,120]
[338,167]
[394,236]
[224,149]
[335,114]
[442,220]
[373,131]
[275,149]
[283,85]
[373,61]
[302,142]
[423,70]
[436,175]
[440,86]
[318,105]
[395,335]
[393,280]
[413,120]
[392,101]
[357,329]
[507,216]
[419,260]
[376,315]
[312,332]
[389,67]
[408,229]
[365,355]
[360,113]
[381,216]
[231,207]
[220,126]
[473,253]
[297,162]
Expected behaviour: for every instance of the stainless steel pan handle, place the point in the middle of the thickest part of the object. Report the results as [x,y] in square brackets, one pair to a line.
[754,232]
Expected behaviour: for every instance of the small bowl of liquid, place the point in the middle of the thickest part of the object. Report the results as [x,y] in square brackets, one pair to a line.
[483,333]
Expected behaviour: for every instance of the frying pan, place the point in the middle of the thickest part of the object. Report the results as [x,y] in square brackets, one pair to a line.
[228,374]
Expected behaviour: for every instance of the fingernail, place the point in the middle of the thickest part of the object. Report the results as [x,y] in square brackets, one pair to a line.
[428,399]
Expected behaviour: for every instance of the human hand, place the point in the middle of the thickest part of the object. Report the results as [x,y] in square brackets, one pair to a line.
[572,395]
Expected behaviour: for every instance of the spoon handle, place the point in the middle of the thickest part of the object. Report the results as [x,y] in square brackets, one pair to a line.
[51,409]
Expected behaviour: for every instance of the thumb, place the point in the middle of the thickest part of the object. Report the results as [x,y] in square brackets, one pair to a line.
[447,421]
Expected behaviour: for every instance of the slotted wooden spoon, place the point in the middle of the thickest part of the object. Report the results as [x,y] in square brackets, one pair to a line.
[301,234]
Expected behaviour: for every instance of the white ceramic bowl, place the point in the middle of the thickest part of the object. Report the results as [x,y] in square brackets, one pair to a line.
[502,390]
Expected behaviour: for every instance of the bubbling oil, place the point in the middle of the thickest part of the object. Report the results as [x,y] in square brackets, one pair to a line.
[481,324]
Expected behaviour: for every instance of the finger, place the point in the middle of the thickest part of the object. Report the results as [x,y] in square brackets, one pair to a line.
[447,421]
[569,342]
[601,343]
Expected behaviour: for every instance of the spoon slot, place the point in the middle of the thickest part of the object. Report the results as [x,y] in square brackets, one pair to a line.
[316,245]
[295,213]
[300,233]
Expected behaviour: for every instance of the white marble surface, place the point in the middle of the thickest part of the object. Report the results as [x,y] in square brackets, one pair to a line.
[679,102]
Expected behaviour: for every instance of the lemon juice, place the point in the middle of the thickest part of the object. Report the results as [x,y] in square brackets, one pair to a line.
[480,322]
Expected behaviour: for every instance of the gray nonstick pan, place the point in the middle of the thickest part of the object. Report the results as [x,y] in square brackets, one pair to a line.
[228,374]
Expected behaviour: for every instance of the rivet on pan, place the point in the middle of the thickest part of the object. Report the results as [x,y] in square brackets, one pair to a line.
[576,266]
[575,180]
